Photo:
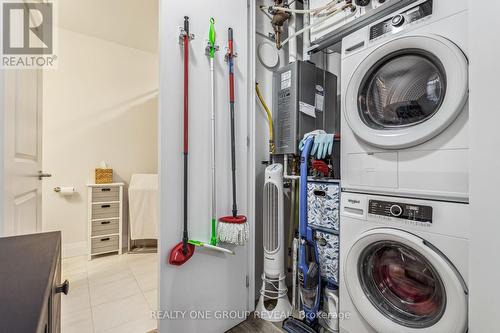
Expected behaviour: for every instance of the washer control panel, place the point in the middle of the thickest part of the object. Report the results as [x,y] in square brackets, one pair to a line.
[405,211]
[399,21]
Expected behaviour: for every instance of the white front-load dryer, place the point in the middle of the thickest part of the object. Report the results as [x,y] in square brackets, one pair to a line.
[405,104]
[403,265]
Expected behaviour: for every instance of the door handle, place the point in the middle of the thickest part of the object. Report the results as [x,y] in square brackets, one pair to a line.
[42,175]
[63,288]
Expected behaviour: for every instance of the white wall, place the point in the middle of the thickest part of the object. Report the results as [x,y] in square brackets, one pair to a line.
[484,300]
[100,104]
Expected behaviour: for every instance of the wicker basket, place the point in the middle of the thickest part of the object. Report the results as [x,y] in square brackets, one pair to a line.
[103,176]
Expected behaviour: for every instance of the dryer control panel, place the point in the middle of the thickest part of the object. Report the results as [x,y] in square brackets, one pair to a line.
[399,21]
[405,211]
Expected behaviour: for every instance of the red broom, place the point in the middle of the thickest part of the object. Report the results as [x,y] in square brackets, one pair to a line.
[234,228]
[183,251]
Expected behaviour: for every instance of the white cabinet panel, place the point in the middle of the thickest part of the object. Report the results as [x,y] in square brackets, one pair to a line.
[209,282]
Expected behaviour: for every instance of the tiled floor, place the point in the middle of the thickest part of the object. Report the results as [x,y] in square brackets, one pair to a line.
[110,294]
[253,324]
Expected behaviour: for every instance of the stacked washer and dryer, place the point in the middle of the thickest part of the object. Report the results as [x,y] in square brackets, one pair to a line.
[405,217]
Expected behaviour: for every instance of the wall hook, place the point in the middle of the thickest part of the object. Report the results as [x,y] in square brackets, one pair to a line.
[226,56]
[182,34]
[207,48]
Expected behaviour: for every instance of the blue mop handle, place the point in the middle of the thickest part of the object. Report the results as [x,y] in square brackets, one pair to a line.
[310,313]
[304,158]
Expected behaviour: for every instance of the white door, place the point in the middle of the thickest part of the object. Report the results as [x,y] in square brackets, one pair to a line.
[211,291]
[407,91]
[22,159]
[400,283]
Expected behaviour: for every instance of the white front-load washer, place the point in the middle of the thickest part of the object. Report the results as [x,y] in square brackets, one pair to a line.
[403,265]
[405,104]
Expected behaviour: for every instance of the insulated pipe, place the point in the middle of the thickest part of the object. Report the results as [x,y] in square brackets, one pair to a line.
[306,40]
[307,28]
[313,11]
[292,41]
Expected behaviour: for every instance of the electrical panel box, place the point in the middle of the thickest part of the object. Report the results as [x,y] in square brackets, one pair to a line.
[305,99]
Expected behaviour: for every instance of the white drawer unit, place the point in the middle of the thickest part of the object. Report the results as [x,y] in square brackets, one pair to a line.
[105,216]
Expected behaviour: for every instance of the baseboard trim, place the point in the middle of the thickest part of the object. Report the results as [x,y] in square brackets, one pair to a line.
[74,249]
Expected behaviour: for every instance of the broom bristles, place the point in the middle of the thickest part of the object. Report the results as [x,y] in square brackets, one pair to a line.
[232,233]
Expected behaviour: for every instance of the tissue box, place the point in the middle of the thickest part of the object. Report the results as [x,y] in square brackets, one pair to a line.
[103,176]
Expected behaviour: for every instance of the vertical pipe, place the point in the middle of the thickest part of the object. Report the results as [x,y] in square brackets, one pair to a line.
[292,44]
[294,274]
[292,217]
[307,34]
[297,194]
[285,167]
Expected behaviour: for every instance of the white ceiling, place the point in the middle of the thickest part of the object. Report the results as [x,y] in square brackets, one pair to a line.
[133,23]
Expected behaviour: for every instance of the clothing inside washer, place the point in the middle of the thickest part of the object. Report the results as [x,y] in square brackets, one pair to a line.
[402,284]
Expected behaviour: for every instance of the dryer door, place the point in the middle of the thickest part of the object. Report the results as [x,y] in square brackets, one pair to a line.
[400,283]
[407,91]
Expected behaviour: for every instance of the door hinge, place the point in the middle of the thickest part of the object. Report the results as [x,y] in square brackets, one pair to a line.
[247,281]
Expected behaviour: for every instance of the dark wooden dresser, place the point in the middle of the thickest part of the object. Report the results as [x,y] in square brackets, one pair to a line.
[30,283]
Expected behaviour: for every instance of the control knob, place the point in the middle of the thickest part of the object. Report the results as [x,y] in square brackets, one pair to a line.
[396,210]
[398,20]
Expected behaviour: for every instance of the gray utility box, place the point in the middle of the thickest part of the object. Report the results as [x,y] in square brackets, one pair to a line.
[305,99]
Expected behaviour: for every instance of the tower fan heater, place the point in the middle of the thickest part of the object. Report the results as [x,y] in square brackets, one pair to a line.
[273,302]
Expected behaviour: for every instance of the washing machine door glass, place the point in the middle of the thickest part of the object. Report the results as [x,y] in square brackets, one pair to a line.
[402,284]
[403,89]
[398,282]
[406,91]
